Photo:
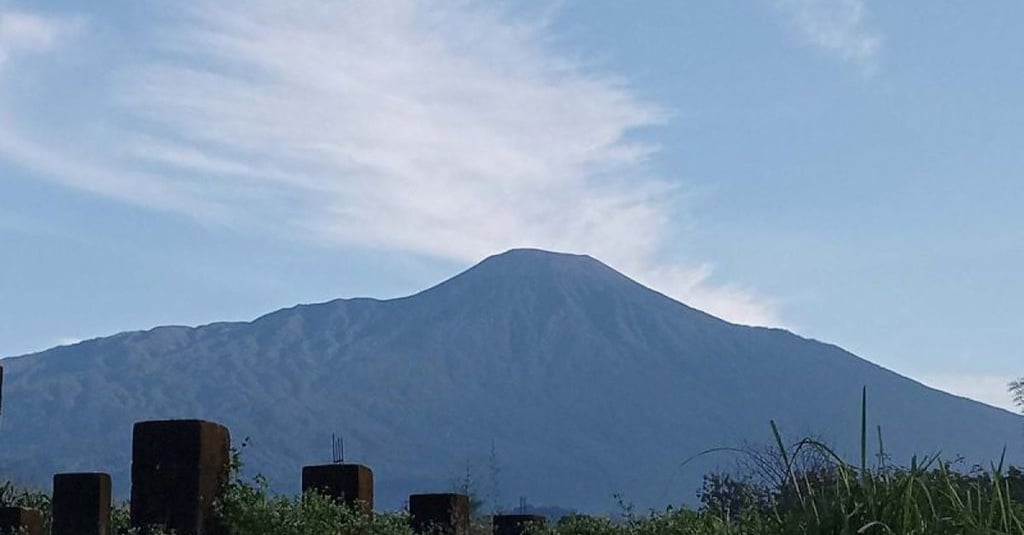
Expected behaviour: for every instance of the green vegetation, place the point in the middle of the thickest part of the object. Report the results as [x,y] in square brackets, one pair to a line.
[14,497]
[804,488]
[1017,392]
[249,508]
[928,497]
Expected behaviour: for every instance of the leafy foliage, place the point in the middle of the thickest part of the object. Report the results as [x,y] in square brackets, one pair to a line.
[247,507]
[10,496]
[928,497]
[1017,391]
[803,488]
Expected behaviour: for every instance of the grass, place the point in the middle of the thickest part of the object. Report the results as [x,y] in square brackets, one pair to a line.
[804,488]
[836,497]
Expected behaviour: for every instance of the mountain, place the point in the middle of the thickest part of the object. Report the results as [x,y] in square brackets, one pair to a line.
[581,382]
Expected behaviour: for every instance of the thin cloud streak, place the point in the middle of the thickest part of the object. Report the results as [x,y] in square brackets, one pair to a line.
[837,27]
[451,131]
[989,389]
[27,32]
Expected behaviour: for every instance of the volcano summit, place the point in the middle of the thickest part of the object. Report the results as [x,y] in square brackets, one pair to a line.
[581,382]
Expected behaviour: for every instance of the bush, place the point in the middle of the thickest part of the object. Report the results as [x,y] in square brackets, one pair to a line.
[249,508]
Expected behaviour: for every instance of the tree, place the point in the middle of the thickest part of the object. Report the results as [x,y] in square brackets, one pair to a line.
[468,485]
[493,473]
[1017,391]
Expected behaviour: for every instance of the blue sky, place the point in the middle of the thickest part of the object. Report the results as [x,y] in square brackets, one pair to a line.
[847,169]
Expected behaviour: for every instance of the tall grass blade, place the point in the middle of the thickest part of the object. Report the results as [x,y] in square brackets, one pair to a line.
[787,461]
[864,431]
[881,449]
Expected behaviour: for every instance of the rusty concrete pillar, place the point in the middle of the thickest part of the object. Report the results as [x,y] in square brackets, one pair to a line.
[81,504]
[350,484]
[439,513]
[20,521]
[179,468]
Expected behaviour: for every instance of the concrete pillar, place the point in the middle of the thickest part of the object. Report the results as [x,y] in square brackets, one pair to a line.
[20,520]
[350,484]
[439,513]
[516,524]
[81,504]
[179,468]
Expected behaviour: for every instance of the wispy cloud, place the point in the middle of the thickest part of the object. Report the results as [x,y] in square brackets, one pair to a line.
[693,285]
[27,32]
[68,341]
[450,130]
[838,27]
[990,389]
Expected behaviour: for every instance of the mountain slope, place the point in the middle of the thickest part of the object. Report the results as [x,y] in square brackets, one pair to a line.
[585,383]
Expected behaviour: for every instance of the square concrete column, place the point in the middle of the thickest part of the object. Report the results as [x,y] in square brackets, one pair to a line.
[439,513]
[516,524]
[179,468]
[350,484]
[81,504]
[21,520]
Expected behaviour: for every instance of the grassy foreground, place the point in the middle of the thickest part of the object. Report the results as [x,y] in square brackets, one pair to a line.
[925,498]
[804,488]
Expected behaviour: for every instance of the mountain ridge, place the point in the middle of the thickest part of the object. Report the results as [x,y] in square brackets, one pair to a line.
[531,253]
[586,382]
